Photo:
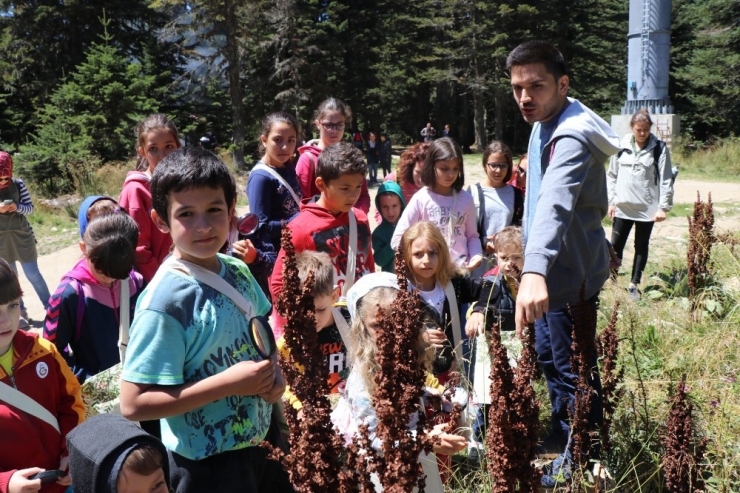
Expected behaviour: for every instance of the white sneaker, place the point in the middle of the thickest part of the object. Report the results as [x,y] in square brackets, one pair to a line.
[23,323]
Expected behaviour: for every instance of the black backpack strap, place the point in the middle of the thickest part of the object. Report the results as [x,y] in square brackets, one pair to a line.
[657,152]
[481,215]
[518,207]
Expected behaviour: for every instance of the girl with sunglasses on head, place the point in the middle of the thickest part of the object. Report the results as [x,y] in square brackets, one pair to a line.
[17,242]
[332,117]
[519,176]
[497,203]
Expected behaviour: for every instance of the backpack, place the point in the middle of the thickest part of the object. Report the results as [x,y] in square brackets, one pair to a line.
[657,152]
[81,302]
[515,221]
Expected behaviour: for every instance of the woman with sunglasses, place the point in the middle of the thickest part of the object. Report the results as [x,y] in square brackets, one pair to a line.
[332,117]
[498,204]
[519,176]
[17,242]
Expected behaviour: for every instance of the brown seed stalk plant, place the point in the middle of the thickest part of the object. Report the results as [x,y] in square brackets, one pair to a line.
[314,462]
[701,239]
[612,376]
[398,391]
[684,453]
[513,422]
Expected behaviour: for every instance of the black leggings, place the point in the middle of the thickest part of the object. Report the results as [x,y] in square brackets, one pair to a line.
[620,233]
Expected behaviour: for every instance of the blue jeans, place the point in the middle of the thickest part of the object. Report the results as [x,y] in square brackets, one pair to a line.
[31,270]
[553,342]
[373,169]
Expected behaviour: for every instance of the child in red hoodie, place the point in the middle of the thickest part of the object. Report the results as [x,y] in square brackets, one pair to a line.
[157,138]
[324,222]
[32,441]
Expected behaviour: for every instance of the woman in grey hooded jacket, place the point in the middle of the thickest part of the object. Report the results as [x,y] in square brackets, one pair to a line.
[640,186]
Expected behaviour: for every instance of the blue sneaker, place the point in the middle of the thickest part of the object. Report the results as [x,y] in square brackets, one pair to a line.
[557,472]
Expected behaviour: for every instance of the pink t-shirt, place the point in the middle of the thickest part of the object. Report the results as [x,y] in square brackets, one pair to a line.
[458,226]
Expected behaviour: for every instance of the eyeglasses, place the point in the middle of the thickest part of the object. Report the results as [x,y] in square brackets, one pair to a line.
[497,165]
[521,171]
[335,127]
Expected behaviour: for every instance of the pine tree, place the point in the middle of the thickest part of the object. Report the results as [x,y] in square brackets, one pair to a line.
[90,117]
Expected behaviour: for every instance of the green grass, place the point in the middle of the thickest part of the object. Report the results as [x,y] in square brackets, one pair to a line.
[54,229]
[718,162]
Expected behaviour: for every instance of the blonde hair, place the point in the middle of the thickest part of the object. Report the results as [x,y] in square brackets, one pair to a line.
[320,264]
[362,350]
[446,269]
[510,235]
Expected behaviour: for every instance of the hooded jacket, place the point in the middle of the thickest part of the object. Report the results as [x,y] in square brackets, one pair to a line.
[27,441]
[82,220]
[317,229]
[98,448]
[305,168]
[154,245]
[85,314]
[566,242]
[631,180]
[382,250]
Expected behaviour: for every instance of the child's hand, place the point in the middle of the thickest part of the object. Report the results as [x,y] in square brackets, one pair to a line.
[490,247]
[250,377]
[64,466]
[6,209]
[475,325]
[448,443]
[245,250]
[435,338]
[278,388]
[19,482]
[474,263]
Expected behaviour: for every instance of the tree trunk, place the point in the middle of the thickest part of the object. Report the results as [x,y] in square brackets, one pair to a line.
[233,70]
[498,104]
[479,120]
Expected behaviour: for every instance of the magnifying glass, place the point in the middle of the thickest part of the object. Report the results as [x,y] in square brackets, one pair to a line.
[247,224]
[261,336]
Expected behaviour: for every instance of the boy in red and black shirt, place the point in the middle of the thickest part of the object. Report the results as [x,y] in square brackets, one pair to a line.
[323,224]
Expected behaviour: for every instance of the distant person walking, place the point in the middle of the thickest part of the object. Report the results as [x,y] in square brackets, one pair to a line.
[428,133]
[17,242]
[640,184]
[372,153]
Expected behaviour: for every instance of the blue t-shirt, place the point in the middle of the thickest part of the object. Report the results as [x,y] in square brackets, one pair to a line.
[184,331]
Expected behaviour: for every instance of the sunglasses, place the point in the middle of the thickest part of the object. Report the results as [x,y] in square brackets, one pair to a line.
[337,127]
[521,171]
[497,165]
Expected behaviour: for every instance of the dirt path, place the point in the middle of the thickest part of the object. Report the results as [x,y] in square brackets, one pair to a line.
[668,237]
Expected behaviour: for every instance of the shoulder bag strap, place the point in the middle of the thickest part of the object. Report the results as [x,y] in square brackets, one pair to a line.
[481,216]
[189,269]
[349,276]
[263,167]
[27,404]
[516,219]
[456,326]
[341,324]
[124,315]
[657,152]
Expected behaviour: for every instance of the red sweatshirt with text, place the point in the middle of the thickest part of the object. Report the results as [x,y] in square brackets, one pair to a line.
[315,228]
[41,373]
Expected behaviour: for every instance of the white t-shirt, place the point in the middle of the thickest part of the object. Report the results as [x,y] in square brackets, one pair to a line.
[434,298]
